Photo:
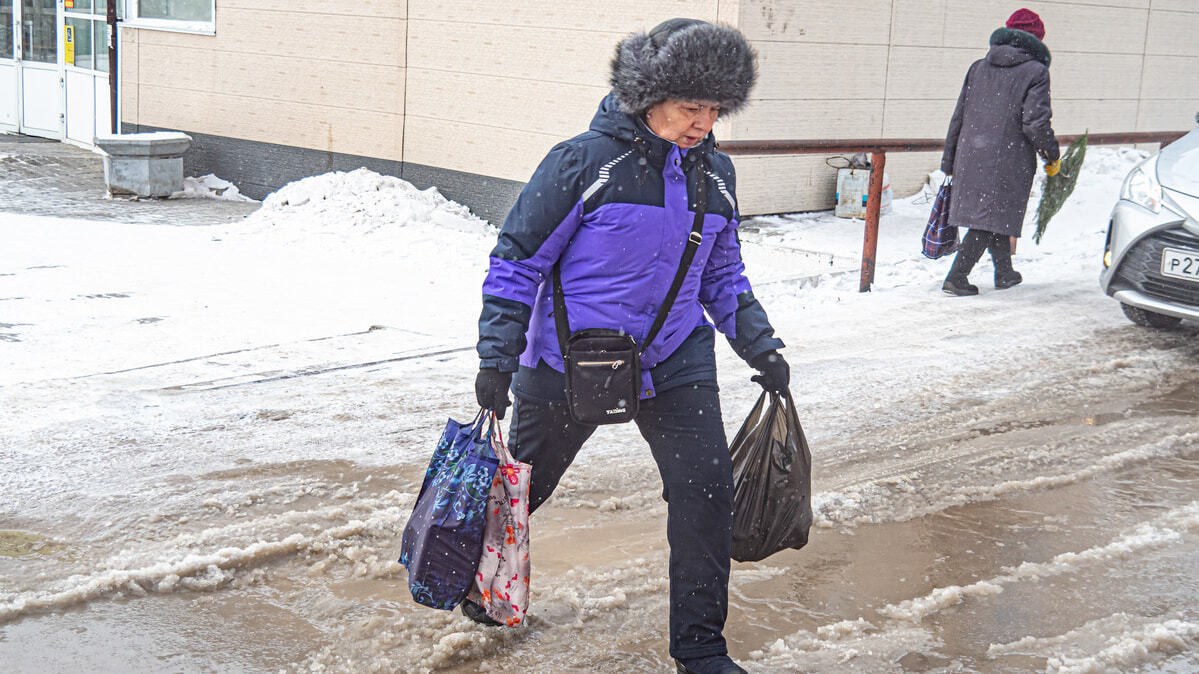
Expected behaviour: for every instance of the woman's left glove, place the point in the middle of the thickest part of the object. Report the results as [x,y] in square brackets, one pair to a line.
[1053,167]
[491,390]
[775,373]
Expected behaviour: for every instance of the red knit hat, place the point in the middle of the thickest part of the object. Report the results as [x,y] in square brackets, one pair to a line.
[1027,21]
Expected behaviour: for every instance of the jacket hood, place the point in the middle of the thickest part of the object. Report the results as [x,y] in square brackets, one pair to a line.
[611,120]
[1011,47]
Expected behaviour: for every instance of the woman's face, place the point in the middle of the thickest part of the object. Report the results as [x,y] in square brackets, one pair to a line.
[683,123]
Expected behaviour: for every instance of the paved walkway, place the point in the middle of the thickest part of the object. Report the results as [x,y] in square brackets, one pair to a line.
[46,177]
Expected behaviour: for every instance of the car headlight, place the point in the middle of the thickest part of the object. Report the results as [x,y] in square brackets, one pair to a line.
[1142,188]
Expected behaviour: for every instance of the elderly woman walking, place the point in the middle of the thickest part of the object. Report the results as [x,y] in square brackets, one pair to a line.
[1002,121]
[601,237]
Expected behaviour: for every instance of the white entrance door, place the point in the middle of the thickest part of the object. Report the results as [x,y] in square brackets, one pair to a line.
[85,64]
[39,69]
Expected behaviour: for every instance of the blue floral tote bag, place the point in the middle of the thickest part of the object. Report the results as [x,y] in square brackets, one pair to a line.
[443,539]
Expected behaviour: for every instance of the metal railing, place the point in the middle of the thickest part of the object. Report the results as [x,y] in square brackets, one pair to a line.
[878,149]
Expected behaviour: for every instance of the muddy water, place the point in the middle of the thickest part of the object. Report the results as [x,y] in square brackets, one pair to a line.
[1068,541]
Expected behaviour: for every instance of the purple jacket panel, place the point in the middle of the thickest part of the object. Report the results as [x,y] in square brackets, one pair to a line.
[519,279]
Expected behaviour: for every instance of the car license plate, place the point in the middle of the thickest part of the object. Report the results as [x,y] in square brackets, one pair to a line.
[1180,264]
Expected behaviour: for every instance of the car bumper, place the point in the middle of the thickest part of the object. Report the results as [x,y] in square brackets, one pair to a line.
[1143,301]
[1136,237]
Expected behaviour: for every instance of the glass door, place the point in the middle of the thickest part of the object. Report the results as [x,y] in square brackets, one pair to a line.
[85,60]
[10,88]
[8,20]
[39,67]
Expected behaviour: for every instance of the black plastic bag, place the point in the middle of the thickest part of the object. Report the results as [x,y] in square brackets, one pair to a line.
[772,481]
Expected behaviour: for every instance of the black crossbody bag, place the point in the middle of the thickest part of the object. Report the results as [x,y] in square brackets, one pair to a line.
[603,366]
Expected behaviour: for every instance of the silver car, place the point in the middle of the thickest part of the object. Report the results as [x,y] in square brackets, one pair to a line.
[1151,261]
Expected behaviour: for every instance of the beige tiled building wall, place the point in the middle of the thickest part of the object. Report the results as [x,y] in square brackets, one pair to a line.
[488,86]
[323,74]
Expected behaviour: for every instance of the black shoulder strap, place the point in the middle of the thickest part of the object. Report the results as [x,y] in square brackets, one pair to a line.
[562,325]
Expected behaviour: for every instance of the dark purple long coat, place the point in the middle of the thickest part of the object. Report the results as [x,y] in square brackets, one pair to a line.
[1001,123]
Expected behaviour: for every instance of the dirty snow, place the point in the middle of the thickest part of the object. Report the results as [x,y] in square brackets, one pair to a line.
[240,410]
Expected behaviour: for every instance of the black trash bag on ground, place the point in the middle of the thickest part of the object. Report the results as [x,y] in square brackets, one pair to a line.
[772,481]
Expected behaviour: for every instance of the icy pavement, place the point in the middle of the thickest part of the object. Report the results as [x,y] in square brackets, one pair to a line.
[45,177]
[212,437]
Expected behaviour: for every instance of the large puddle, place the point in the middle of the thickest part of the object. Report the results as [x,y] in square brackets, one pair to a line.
[1095,572]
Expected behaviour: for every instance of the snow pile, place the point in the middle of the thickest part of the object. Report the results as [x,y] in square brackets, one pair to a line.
[210,187]
[361,201]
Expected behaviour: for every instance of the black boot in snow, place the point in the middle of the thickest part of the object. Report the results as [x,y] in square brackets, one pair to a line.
[958,285]
[478,614]
[715,664]
[1007,280]
[1001,253]
[973,245]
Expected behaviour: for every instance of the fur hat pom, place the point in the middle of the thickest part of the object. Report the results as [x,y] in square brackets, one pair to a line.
[684,59]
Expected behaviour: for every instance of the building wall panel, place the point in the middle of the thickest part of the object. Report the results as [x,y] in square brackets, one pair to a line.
[342,130]
[383,9]
[473,148]
[1173,33]
[1095,76]
[790,70]
[1170,77]
[810,119]
[613,16]
[848,23]
[1168,114]
[510,104]
[486,88]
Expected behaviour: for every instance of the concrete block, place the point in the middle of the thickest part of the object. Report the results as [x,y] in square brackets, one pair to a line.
[144,164]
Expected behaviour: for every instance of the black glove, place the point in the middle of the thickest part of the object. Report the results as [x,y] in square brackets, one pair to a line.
[491,390]
[775,373]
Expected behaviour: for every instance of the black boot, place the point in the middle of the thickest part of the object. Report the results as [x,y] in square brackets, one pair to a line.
[1011,278]
[959,286]
[478,614]
[1001,254]
[973,245]
[715,664]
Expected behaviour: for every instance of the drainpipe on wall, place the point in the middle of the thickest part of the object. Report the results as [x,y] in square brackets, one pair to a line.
[112,66]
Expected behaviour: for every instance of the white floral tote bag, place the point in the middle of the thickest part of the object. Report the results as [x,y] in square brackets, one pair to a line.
[502,582]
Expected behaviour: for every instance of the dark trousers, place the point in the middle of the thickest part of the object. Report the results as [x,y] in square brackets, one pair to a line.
[972,247]
[686,436]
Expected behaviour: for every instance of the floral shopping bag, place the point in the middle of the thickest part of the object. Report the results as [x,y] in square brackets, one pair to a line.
[443,536]
[502,582]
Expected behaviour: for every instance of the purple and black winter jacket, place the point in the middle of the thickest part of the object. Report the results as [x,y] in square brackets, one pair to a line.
[615,207]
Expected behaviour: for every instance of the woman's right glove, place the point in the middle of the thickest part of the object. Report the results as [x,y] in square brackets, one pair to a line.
[775,373]
[491,390]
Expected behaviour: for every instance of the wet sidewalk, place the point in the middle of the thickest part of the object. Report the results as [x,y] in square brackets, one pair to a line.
[49,178]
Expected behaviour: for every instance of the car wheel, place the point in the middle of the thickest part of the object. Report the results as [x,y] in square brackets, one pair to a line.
[1149,319]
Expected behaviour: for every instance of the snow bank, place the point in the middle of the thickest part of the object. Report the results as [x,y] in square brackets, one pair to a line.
[360,201]
[210,187]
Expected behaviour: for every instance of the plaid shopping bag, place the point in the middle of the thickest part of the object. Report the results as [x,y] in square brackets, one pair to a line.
[940,238]
[444,536]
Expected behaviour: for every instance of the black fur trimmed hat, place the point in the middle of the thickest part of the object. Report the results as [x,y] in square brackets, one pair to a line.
[686,59]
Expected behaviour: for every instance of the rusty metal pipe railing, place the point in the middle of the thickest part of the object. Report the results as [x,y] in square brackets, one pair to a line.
[878,149]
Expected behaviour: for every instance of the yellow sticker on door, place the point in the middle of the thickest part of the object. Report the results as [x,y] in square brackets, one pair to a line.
[69,33]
